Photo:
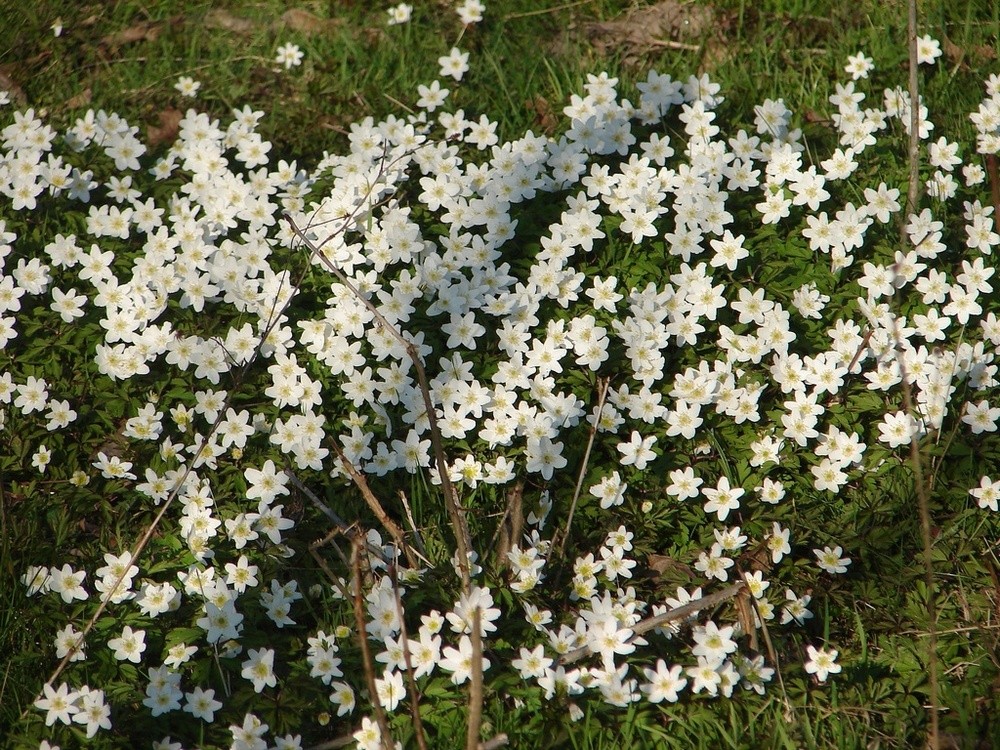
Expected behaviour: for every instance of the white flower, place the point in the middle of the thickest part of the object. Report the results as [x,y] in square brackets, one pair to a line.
[59,704]
[458,661]
[289,55]
[987,494]
[822,662]
[723,498]
[454,64]
[859,66]
[187,86]
[830,560]
[664,683]
[202,704]
[638,451]
[928,50]
[129,646]
[259,668]
[399,14]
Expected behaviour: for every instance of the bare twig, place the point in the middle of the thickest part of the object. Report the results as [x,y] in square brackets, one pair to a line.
[677,613]
[461,530]
[417,539]
[314,552]
[366,655]
[463,540]
[373,503]
[544,11]
[913,189]
[475,685]
[323,507]
[411,682]
[994,173]
[501,740]
[923,504]
[602,392]
[398,103]
[335,743]
[509,529]
[772,654]
[923,499]
[683,46]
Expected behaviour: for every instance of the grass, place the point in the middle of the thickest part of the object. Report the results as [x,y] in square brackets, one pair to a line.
[126,56]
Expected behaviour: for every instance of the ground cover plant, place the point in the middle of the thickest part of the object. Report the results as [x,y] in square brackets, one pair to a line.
[663,416]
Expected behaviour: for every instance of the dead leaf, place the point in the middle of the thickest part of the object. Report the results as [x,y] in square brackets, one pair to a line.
[11,86]
[813,117]
[145,31]
[644,29]
[953,52]
[962,56]
[665,566]
[757,558]
[306,23]
[221,19]
[168,129]
[544,116]
[80,100]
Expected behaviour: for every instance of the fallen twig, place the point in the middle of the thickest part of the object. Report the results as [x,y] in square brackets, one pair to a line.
[602,392]
[677,613]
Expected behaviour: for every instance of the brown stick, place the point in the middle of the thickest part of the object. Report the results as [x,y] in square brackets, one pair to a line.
[462,538]
[411,683]
[677,613]
[994,172]
[335,743]
[475,685]
[923,507]
[417,539]
[511,523]
[314,551]
[923,499]
[913,189]
[602,392]
[366,655]
[373,503]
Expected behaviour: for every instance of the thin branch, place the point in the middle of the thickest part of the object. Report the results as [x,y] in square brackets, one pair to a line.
[475,684]
[501,740]
[602,392]
[373,503]
[913,189]
[460,528]
[677,613]
[511,524]
[314,552]
[411,682]
[366,655]
[994,172]
[323,507]
[462,538]
[682,46]
[923,499]
[418,540]
[923,505]
[545,11]
[334,744]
